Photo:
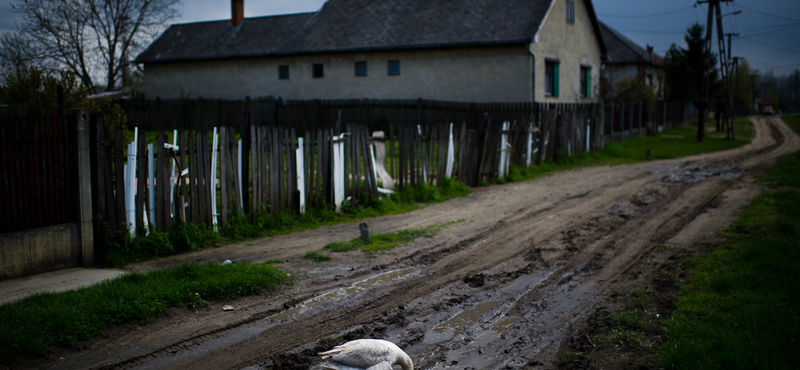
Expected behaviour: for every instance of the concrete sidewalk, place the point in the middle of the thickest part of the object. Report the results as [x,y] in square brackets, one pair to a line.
[54,281]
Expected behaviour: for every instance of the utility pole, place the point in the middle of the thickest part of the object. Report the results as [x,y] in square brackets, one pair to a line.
[731,71]
[702,104]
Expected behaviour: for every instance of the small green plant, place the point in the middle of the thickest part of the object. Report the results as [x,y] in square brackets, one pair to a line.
[316,256]
[385,241]
[342,246]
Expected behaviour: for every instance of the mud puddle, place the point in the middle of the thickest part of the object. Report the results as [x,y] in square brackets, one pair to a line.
[334,295]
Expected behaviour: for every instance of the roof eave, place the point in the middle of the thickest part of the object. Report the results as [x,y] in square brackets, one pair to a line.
[450,45]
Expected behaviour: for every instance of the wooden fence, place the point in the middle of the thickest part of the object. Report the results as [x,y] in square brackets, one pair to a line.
[245,169]
[245,158]
[39,179]
[626,120]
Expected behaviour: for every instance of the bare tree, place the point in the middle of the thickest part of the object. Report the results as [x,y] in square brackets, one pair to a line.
[17,55]
[94,38]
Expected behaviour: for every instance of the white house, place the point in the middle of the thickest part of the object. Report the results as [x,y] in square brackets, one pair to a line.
[628,60]
[452,50]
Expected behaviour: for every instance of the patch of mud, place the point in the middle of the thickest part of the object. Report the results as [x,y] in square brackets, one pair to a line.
[698,173]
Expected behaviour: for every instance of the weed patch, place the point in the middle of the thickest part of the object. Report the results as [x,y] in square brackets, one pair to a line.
[386,241]
[316,256]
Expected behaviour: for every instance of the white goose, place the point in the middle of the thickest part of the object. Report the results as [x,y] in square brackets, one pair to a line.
[365,354]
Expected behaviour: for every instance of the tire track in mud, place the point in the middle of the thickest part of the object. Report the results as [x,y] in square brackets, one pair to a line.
[509,237]
[462,259]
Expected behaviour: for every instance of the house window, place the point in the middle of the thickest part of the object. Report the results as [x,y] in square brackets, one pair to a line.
[570,11]
[393,67]
[361,68]
[283,72]
[586,82]
[317,71]
[551,78]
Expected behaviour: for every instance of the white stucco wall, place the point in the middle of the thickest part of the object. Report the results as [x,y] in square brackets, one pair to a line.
[573,45]
[485,74]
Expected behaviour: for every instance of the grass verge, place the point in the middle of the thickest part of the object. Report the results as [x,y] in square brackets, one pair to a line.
[793,121]
[33,325]
[741,307]
[669,144]
[124,249]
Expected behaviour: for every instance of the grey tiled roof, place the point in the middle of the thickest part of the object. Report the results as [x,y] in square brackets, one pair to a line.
[350,25]
[621,50]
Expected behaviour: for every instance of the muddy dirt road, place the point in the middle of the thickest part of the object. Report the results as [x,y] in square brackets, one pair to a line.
[502,288]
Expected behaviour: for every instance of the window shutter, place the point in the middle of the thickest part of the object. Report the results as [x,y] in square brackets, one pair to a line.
[555,79]
[588,92]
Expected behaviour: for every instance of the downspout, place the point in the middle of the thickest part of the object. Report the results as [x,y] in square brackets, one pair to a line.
[533,72]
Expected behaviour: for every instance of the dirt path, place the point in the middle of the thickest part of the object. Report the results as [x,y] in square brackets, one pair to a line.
[503,288]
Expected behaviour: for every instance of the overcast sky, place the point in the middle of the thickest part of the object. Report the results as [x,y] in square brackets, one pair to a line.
[769,30]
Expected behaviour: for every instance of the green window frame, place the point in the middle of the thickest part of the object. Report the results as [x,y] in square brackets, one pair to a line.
[586,81]
[551,78]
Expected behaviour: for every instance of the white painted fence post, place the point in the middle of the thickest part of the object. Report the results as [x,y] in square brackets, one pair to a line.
[451,155]
[151,205]
[424,164]
[173,176]
[301,180]
[130,201]
[338,171]
[214,148]
[529,146]
[588,132]
[239,164]
[504,147]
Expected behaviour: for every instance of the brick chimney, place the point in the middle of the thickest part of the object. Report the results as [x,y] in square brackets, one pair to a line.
[237,12]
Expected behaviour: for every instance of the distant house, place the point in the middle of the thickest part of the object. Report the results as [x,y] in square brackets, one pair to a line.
[465,50]
[628,60]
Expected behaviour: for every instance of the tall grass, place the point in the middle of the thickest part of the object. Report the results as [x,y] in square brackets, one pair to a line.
[33,325]
[184,237]
[741,307]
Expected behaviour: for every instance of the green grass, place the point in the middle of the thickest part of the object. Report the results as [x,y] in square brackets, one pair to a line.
[793,121]
[184,237]
[32,326]
[669,144]
[316,256]
[386,241]
[124,249]
[741,307]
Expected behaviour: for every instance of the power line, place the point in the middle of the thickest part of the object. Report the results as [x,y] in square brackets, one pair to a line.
[775,26]
[789,67]
[773,47]
[655,32]
[786,28]
[767,14]
[647,15]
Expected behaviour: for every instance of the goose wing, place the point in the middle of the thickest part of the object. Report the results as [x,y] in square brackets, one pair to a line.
[363,353]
